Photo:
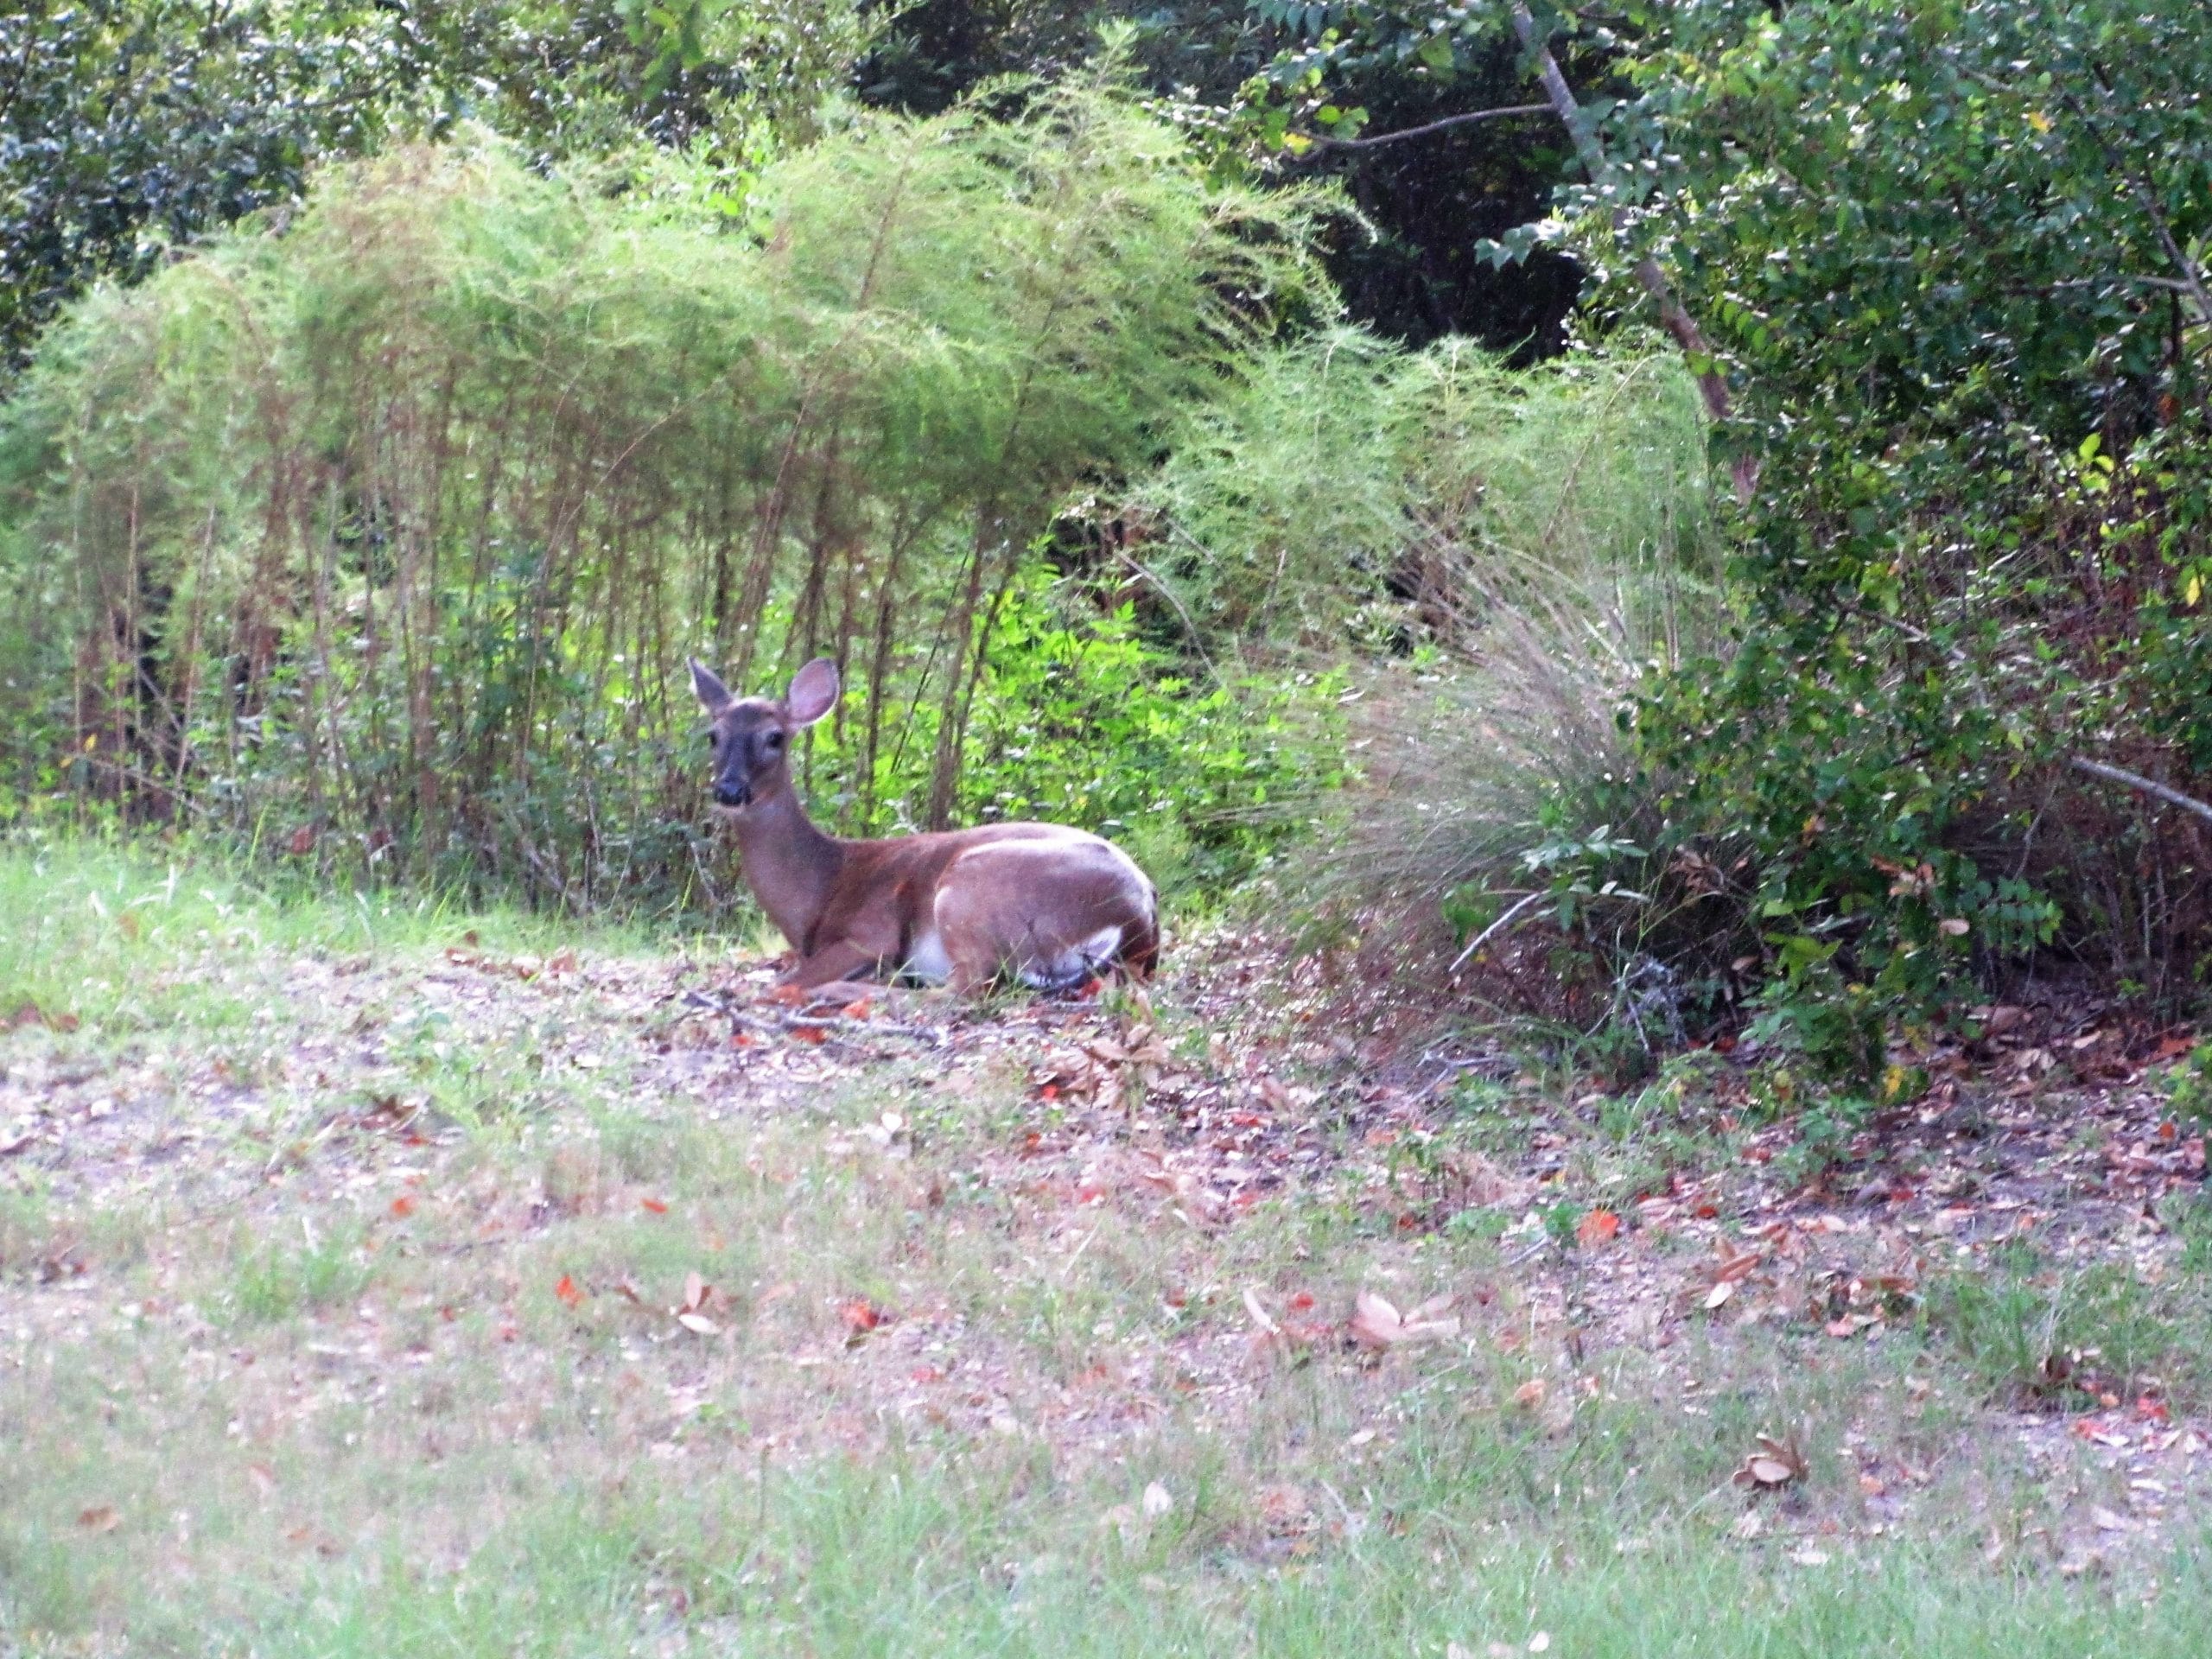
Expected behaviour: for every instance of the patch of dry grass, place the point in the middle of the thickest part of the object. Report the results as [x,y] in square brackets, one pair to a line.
[469,1304]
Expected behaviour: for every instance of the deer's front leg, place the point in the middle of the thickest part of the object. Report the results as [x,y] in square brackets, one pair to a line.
[841,960]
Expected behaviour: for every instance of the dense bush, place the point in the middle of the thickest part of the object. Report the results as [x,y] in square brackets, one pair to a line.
[1952,254]
[129,128]
[387,535]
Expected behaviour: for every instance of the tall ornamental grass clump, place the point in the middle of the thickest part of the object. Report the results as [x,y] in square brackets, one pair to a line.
[382,536]
[1519,548]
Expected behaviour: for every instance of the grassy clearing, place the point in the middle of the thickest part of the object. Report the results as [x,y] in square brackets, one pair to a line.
[341,1264]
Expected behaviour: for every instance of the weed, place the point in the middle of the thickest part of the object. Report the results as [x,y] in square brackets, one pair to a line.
[2072,1338]
[272,1281]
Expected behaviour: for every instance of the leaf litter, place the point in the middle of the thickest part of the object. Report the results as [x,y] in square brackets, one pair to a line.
[1251,1089]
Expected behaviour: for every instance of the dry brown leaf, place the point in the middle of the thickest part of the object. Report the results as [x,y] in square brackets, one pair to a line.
[698,1323]
[1776,1463]
[1719,1294]
[101,1517]
[1378,1326]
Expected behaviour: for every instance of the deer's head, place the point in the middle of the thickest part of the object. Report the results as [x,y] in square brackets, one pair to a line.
[753,735]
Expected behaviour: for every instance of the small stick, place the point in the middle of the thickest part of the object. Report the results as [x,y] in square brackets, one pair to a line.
[1484,937]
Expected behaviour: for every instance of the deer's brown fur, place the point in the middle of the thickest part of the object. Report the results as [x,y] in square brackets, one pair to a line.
[1049,904]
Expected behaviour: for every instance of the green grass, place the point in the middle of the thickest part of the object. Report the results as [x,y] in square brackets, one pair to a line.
[126,939]
[312,1384]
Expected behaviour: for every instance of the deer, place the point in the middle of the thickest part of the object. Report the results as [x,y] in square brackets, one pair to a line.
[1051,905]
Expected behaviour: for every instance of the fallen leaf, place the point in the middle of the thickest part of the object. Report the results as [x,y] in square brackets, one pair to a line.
[1378,1326]
[1530,1395]
[695,1293]
[1720,1293]
[1809,1556]
[1541,1642]
[101,1517]
[1776,1463]
[403,1205]
[567,1291]
[861,1316]
[1597,1228]
[1157,1500]
[652,1206]
[698,1323]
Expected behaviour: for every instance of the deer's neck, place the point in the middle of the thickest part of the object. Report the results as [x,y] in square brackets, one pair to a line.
[790,865]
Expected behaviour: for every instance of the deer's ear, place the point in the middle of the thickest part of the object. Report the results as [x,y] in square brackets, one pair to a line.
[813,693]
[712,692]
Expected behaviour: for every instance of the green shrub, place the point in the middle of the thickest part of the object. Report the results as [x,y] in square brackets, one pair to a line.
[379,542]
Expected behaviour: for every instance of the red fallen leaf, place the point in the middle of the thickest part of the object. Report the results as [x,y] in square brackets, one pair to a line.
[861,1315]
[859,1008]
[2153,1409]
[1050,1092]
[1597,1228]
[1758,1154]
[809,1033]
[926,1374]
[1089,1194]
[403,1205]
[790,995]
[2168,1047]
[653,1206]
[567,1291]
[101,1517]
[2169,1130]
[303,842]
[1724,1045]
[1247,1120]
[1299,1301]
[1705,1209]
[742,1039]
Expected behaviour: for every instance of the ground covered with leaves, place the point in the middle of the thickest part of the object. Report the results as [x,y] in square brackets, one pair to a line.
[380,1281]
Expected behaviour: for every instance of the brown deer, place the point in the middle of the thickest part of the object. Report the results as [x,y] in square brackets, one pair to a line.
[1051,905]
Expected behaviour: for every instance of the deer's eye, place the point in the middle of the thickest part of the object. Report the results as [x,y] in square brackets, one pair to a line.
[775,741]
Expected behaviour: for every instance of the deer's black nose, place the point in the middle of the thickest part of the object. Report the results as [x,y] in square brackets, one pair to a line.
[732,794]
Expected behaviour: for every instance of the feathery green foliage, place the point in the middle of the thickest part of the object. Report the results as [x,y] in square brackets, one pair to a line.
[388,535]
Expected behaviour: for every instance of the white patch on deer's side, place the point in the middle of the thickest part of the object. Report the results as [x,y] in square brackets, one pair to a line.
[928,960]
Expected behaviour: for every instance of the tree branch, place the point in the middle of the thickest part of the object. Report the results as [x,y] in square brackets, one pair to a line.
[1676,321]
[1321,142]
[2148,785]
